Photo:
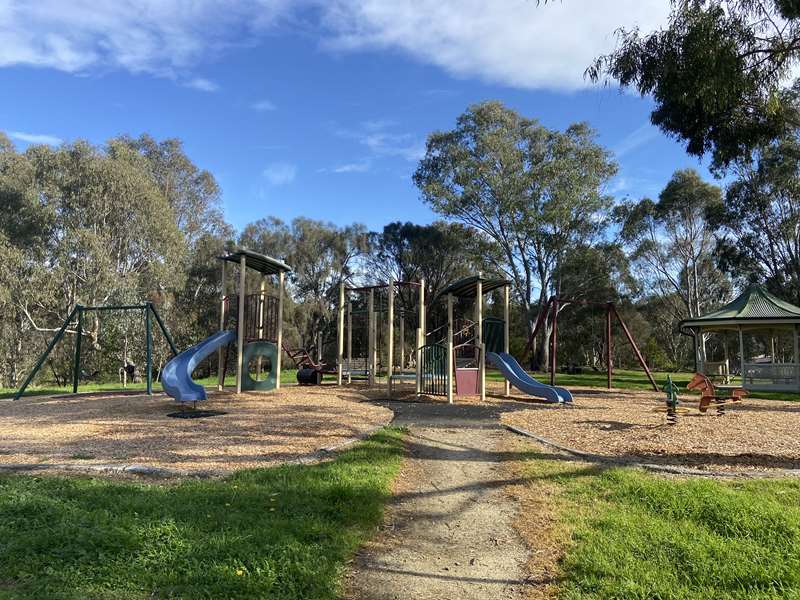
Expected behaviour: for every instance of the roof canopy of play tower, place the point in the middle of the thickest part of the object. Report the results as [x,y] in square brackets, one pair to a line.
[468,287]
[769,345]
[258,262]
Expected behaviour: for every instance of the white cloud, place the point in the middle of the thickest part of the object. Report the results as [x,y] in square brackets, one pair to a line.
[141,36]
[263,106]
[520,43]
[202,84]
[361,166]
[357,167]
[382,141]
[280,173]
[636,138]
[36,138]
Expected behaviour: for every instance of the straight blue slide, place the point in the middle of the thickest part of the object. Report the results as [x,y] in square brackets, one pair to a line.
[517,376]
[176,378]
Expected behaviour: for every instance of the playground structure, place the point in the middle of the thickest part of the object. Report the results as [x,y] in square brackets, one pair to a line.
[77,316]
[552,307]
[257,333]
[455,364]
[369,365]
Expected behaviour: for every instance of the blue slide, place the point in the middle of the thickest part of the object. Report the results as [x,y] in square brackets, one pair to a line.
[176,378]
[517,376]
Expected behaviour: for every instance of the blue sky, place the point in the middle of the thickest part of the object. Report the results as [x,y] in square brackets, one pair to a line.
[319,109]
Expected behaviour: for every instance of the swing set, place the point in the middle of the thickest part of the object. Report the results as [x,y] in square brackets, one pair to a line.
[77,314]
[552,308]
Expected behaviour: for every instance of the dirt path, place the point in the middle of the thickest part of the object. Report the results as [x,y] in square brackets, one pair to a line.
[449,532]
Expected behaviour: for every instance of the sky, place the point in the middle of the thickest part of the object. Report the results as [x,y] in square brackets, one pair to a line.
[321,108]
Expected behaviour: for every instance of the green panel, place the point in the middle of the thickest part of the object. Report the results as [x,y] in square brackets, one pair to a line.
[252,350]
[494,334]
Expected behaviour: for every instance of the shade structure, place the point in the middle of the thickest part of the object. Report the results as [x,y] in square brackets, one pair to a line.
[754,313]
[258,262]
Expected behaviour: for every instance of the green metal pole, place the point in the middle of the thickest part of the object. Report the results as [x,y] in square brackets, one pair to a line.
[76,367]
[148,323]
[164,330]
[44,356]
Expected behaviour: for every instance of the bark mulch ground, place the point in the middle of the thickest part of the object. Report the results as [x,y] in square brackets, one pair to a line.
[258,429]
[756,435]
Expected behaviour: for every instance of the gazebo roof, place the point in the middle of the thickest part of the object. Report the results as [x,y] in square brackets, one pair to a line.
[468,287]
[754,306]
[260,262]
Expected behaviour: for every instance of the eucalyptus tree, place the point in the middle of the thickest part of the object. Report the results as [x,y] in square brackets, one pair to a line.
[439,253]
[321,256]
[717,73]
[672,241]
[91,227]
[531,192]
[760,220]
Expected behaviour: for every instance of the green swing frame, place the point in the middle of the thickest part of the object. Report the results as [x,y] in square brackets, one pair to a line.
[150,313]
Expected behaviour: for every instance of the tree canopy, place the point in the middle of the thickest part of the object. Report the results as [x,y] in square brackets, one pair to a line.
[717,72]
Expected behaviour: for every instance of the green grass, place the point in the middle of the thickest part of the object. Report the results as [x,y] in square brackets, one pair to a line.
[287,376]
[283,533]
[633,535]
[631,380]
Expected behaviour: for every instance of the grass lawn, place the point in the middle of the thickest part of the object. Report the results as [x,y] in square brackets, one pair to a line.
[287,376]
[632,535]
[285,532]
[630,380]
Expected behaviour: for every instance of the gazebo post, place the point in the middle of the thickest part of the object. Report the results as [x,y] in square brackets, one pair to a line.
[796,360]
[741,353]
[698,363]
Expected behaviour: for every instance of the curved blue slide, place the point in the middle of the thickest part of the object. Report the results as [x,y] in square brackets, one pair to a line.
[176,378]
[517,376]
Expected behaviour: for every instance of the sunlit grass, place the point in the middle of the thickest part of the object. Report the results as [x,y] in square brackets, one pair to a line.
[283,533]
[633,535]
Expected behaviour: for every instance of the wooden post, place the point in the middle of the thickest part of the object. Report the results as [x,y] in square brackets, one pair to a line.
[349,342]
[220,352]
[390,330]
[421,337]
[506,330]
[279,341]
[340,336]
[240,324]
[402,336]
[636,351]
[609,365]
[450,348]
[319,346]
[554,343]
[479,338]
[371,336]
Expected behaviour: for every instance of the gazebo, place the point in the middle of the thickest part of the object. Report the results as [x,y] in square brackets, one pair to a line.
[767,331]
